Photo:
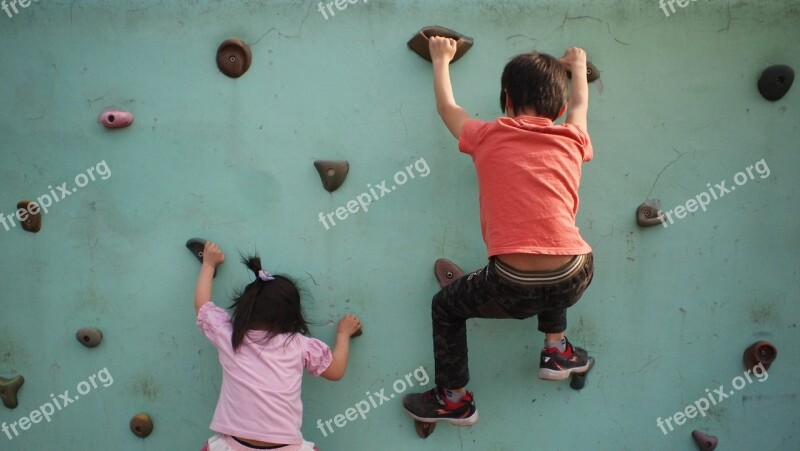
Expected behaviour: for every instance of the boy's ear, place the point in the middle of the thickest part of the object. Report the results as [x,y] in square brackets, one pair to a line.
[509,104]
[562,111]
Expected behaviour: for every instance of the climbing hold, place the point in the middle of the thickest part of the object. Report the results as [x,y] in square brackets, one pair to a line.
[649,213]
[704,441]
[446,272]
[141,425]
[196,246]
[424,429]
[775,81]
[592,73]
[9,389]
[419,42]
[233,57]
[760,352]
[32,222]
[89,336]
[357,333]
[115,118]
[332,173]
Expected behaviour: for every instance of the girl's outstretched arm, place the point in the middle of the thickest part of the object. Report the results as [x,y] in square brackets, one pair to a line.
[341,351]
[212,257]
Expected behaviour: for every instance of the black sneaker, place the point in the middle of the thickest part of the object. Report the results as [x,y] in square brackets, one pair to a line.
[557,366]
[432,406]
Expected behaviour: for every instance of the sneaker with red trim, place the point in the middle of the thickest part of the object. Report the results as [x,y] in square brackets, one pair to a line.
[433,405]
[557,366]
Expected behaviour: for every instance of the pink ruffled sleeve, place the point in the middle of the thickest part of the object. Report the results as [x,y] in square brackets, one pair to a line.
[317,356]
[215,323]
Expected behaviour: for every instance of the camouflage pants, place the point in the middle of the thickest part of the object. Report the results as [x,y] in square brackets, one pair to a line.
[499,291]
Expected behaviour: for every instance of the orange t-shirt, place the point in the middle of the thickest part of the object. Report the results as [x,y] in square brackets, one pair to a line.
[529,171]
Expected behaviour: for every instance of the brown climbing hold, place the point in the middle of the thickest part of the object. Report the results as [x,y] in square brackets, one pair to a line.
[141,425]
[419,42]
[446,272]
[357,333]
[592,73]
[760,352]
[233,57]
[89,336]
[332,172]
[704,441]
[29,215]
[9,389]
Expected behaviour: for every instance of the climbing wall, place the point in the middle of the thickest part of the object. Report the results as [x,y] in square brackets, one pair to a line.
[675,114]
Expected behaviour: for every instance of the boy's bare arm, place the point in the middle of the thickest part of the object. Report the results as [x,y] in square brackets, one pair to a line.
[442,52]
[574,60]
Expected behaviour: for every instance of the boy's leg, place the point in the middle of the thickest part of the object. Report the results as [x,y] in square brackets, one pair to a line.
[559,359]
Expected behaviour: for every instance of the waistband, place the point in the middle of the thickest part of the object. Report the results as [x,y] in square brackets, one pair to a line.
[539,277]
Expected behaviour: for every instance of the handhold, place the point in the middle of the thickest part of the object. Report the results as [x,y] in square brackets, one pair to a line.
[332,172]
[760,352]
[196,245]
[419,42]
[357,333]
[32,222]
[233,57]
[9,389]
[649,213]
[141,425]
[115,118]
[89,336]
[775,81]
[424,429]
[446,272]
[592,73]
[704,441]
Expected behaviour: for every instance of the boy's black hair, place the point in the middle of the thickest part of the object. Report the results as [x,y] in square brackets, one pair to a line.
[535,80]
[273,306]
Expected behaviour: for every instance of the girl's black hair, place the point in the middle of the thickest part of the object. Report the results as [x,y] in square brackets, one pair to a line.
[272,306]
[535,80]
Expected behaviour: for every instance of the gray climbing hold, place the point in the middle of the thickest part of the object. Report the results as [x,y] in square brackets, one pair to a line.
[89,336]
[775,81]
[332,172]
[649,213]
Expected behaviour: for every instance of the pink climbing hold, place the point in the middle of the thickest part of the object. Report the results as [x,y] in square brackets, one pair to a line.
[115,118]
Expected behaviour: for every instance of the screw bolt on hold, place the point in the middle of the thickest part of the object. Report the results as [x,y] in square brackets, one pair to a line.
[760,352]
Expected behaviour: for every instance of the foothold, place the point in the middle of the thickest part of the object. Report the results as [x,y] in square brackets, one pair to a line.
[89,336]
[760,352]
[115,118]
[446,272]
[419,42]
[233,57]
[704,441]
[775,82]
[9,389]
[196,246]
[649,213]
[592,73]
[141,425]
[424,429]
[332,172]
[579,379]
[32,222]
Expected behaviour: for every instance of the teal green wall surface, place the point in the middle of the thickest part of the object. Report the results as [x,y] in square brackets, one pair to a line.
[668,315]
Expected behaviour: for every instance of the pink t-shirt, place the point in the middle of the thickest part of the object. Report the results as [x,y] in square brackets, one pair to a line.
[260,394]
[529,171]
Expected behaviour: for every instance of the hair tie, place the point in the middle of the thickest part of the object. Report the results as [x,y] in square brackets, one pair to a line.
[265,275]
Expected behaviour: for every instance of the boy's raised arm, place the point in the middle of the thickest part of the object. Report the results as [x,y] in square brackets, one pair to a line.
[574,60]
[442,52]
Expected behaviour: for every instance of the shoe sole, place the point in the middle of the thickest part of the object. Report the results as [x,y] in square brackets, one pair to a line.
[553,375]
[469,421]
